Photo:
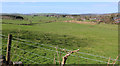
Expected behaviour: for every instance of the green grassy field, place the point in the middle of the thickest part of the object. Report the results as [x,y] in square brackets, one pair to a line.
[44,32]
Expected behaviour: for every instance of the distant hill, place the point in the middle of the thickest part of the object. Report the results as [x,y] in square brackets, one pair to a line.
[57,14]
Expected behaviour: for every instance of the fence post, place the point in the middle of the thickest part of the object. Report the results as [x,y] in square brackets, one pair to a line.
[8,48]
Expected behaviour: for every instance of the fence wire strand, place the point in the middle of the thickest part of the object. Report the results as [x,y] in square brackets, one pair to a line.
[55,51]
[65,49]
[23,57]
[34,54]
[62,53]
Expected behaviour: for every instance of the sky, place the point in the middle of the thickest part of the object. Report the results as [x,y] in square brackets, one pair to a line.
[60,7]
[59,0]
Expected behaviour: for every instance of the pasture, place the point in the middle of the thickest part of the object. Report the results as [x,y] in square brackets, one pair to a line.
[94,41]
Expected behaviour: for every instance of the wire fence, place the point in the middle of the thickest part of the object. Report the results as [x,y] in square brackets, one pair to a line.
[59,52]
[64,48]
[30,43]
[23,57]
[32,54]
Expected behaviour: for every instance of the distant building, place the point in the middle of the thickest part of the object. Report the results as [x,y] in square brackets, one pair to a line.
[92,18]
[70,16]
[116,19]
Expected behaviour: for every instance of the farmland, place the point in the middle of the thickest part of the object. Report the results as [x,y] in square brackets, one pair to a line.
[97,40]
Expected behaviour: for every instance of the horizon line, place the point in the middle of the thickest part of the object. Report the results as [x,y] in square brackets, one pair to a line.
[59,13]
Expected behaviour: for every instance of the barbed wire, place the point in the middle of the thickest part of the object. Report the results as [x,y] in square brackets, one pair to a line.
[34,46]
[46,49]
[23,57]
[71,55]
[63,53]
[34,54]
[67,50]
[29,52]
[91,59]
[2,35]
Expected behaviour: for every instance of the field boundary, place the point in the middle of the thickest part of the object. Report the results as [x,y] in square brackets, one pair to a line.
[18,40]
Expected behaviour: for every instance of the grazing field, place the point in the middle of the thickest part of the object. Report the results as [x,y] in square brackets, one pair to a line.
[96,42]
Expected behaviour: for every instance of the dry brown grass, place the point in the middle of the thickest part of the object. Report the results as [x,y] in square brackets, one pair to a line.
[81,22]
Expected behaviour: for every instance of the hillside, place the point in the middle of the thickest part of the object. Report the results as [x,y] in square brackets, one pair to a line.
[35,38]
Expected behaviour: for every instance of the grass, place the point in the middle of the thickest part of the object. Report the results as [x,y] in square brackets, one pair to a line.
[100,39]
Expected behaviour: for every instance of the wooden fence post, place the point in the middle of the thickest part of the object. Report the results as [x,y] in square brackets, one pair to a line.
[8,48]
[66,56]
